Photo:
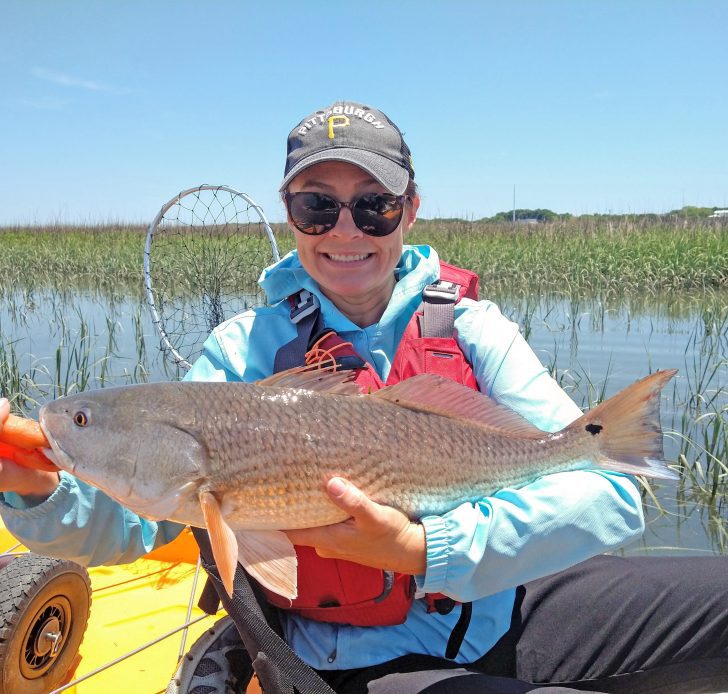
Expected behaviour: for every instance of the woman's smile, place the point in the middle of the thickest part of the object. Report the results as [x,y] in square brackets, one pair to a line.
[348,257]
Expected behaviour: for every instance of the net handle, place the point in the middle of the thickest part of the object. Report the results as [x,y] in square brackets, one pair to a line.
[178,358]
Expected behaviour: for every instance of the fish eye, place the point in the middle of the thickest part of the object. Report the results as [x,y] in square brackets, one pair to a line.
[81,418]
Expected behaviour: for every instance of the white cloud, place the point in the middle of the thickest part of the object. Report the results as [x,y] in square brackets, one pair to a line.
[67,80]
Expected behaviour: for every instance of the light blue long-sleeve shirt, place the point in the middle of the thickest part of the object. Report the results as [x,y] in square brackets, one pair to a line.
[476,552]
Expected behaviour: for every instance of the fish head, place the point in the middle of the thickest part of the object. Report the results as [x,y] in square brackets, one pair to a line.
[135,443]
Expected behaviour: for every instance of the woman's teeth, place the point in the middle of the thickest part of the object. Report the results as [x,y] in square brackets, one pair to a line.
[347,258]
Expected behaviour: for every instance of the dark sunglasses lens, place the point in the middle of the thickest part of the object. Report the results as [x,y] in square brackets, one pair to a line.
[378,214]
[313,213]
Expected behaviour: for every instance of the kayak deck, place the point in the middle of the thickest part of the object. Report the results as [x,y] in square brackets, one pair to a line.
[132,605]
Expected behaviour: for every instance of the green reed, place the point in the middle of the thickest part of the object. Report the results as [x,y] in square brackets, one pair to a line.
[583,254]
[703,423]
[96,257]
[81,356]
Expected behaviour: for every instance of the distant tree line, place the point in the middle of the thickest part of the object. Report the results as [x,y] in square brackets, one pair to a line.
[540,215]
[692,212]
[546,215]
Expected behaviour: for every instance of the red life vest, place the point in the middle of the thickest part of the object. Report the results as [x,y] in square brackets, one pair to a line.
[335,590]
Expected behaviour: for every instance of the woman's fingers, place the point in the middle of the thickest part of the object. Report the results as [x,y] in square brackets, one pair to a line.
[4,411]
[374,535]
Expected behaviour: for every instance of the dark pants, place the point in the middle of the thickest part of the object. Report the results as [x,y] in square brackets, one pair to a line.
[610,624]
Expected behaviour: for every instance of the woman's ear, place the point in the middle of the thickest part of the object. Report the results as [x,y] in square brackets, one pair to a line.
[410,212]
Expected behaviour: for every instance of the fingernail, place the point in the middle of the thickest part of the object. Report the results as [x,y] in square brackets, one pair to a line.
[336,486]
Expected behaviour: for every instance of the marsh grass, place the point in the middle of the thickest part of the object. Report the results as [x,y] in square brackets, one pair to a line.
[580,255]
[695,421]
[702,425]
[84,257]
[584,256]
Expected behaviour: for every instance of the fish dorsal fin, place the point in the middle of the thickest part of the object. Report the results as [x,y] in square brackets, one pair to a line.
[222,539]
[321,380]
[270,558]
[446,398]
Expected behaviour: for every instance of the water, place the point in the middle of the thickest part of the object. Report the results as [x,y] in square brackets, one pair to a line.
[57,342]
[595,350]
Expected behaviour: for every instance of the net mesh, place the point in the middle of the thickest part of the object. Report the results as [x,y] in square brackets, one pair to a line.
[207,253]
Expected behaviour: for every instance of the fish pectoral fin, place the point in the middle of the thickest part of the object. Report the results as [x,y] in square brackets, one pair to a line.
[269,556]
[441,396]
[222,539]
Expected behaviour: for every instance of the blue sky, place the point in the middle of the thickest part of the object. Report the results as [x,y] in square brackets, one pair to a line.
[110,108]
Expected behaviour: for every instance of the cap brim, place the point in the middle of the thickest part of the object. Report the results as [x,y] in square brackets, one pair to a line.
[391,175]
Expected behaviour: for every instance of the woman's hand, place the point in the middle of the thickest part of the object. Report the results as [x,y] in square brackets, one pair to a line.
[38,485]
[375,535]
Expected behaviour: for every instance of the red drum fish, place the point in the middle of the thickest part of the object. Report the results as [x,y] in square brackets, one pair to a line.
[248,460]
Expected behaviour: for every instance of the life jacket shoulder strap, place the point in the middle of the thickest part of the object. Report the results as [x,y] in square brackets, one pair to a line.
[438,309]
[439,299]
[305,313]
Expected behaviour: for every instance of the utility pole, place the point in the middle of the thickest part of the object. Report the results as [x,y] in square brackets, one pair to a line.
[513,222]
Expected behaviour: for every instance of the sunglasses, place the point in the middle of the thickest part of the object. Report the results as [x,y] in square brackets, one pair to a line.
[376,214]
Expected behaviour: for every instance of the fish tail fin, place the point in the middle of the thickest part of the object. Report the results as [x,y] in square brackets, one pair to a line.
[627,428]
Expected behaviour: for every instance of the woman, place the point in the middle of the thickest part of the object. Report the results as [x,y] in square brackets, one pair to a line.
[511,594]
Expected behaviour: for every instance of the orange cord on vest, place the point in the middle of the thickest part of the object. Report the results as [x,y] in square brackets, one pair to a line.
[324,356]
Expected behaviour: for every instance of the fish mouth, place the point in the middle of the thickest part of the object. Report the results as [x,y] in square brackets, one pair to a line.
[55,453]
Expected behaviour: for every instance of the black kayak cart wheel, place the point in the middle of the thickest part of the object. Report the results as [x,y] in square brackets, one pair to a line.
[44,609]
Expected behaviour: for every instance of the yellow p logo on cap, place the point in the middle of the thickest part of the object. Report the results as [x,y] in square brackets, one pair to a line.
[337,122]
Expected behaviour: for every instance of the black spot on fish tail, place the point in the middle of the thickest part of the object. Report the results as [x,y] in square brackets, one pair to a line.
[593,429]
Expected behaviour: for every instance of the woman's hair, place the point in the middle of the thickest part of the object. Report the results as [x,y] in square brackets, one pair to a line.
[411,191]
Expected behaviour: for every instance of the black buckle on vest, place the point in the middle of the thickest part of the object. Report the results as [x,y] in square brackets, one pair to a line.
[305,305]
[444,605]
[441,292]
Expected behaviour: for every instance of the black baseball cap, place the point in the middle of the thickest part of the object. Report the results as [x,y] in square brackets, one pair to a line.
[348,131]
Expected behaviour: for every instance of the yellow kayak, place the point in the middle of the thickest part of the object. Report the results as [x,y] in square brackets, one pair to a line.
[135,632]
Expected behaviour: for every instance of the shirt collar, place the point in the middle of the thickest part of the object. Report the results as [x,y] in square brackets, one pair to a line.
[417,267]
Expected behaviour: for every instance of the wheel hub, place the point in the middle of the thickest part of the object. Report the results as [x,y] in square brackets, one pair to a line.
[45,638]
[49,639]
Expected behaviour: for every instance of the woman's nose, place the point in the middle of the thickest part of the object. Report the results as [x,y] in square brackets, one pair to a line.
[345,225]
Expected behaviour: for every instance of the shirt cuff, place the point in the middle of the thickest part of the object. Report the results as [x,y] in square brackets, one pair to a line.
[14,505]
[437,539]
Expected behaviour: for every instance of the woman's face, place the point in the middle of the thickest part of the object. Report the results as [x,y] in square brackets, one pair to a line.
[350,266]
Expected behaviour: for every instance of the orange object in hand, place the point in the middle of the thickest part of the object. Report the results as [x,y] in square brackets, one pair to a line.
[21,441]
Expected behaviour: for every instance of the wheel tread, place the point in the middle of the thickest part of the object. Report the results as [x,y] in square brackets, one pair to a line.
[20,582]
